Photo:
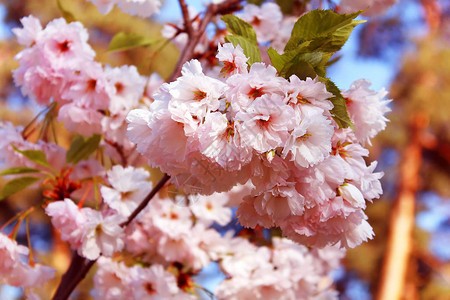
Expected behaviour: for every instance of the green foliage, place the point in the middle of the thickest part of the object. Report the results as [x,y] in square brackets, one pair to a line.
[256,2]
[322,30]
[339,111]
[316,36]
[67,15]
[82,148]
[286,6]
[36,156]
[125,41]
[15,185]
[18,170]
[243,35]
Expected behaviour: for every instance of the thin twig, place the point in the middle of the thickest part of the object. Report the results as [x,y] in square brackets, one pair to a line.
[188,51]
[187,20]
[147,199]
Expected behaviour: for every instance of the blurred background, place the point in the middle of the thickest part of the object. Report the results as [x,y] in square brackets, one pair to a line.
[406,51]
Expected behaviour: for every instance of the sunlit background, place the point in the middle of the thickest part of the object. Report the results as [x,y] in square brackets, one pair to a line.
[407,51]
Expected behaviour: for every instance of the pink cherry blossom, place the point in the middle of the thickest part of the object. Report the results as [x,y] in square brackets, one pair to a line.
[266,123]
[266,20]
[367,109]
[233,59]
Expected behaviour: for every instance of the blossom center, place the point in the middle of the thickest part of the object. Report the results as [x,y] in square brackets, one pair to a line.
[91,84]
[149,288]
[199,95]
[64,46]
[228,67]
[304,137]
[119,87]
[255,93]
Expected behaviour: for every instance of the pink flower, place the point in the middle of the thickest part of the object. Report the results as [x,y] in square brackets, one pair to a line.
[128,88]
[366,109]
[233,59]
[103,234]
[220,140]
[141,8]
[129,186]
[247,87]
[79,119]
[209,209]
[266,20]
[310,141]
[17,273]
[309,91]
[27,35]
[266,123]
[193,95]
[370,7]
[89,87]
[9,254]
[69,220]
[64,45]
[275,205]
[353,195]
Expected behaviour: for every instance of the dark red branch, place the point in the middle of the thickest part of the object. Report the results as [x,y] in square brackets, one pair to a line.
[187,20]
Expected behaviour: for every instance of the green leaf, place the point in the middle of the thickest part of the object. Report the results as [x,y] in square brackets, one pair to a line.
[18,170]
[67,15]
[15,185]
[251,50]
[125,41]
[327,30]
[243,35]
[301,64]
[82,148]
[339,112]
[36,156]
[286,6]
[256,2]
[278,60]
[238,26]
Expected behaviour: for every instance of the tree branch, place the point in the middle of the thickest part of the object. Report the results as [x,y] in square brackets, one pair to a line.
[187,20]
[399,243]
[188,51]
[147,199]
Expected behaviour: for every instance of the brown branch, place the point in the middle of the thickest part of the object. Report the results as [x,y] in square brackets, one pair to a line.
[187,20]
[119,150]
[399,244]
[211,11]
[78,268]
[147,199]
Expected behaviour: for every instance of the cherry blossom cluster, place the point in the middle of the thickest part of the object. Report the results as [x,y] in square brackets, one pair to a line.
[236,139]
[177,242]
[310,177]
[115,280]
[141,8]
[58,65]
[285,270]
[95,232]
[14,271]
[11,135]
